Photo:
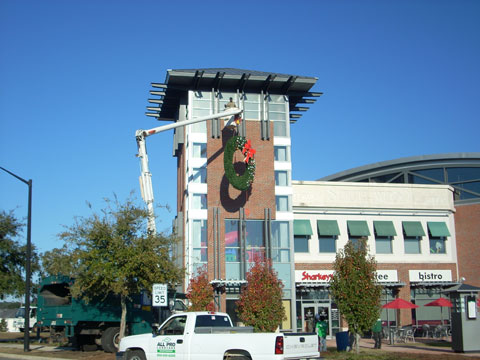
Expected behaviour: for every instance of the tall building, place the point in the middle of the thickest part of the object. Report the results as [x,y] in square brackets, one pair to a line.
[421,225]
[223,228]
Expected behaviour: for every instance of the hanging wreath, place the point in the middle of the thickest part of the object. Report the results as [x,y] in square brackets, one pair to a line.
[240,182]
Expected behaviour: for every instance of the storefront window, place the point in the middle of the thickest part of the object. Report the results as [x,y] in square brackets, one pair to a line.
[252,106]
[199,150]
[280,153]
[201,107]
[199,175]
[313,301]
[281,178]
[388,315]
[301,243]
[199,243]
[199,201]
[232,250]
[431,315]
[282,203]
[327,244]
[412,245]
[255,241]
[255,247]
[437,245]
[383,244]
[280,242]
[277,112]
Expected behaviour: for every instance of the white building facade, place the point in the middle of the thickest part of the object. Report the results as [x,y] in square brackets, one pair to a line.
[410,231]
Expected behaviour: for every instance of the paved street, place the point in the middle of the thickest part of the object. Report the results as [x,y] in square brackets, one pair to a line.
[42,352]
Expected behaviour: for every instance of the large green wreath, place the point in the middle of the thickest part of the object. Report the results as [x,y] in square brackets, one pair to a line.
[240,182]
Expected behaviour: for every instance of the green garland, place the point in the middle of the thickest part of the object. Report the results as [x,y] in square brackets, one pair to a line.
[244,181]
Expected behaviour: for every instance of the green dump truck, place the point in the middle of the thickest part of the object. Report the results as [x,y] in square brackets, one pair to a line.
[88,325]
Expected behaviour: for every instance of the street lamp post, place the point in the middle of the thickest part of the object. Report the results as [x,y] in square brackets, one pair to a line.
[26,342]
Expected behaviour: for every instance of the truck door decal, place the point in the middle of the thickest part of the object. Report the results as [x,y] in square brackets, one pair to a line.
[166,347]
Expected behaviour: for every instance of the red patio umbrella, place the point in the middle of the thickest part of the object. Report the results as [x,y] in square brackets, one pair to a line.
[399,303]
[442,302]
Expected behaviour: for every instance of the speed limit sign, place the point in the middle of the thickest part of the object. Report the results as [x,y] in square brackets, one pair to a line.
[159,295]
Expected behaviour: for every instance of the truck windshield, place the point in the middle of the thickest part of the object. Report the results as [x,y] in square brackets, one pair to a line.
[212,321]
[20,313]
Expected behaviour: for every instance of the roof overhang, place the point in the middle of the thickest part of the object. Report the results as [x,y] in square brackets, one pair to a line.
[180,81]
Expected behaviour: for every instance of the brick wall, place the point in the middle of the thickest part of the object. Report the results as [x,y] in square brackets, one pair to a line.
[467,228]
[229,200]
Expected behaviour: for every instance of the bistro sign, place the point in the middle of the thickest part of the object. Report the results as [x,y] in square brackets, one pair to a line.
[429,275]
[324,276]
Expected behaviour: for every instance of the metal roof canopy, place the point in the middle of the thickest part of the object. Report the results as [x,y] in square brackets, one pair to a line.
[326,284]
[179,81]
[403,164]
[462,288]
[425,284]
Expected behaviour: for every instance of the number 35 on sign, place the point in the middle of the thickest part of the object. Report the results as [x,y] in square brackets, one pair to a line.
[159,295]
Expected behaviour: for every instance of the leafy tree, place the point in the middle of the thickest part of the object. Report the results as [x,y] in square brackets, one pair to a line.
[60,261]
[260,303]
[354,288]
[116,253]
[200,292]
[13,256]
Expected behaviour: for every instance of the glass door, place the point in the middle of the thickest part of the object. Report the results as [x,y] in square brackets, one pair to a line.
[312,311]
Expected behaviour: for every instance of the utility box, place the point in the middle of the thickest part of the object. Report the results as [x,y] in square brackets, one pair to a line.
[465,318]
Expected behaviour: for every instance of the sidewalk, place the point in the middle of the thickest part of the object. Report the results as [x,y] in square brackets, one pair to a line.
[33,348]
[44,352]
[421,346]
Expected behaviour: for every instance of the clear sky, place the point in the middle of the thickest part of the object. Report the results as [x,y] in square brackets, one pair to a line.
[400,78]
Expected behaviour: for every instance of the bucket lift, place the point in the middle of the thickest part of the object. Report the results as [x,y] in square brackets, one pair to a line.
[146,177]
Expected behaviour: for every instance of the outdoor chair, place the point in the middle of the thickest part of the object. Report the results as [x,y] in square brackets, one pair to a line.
[385,334]
[425,330]
[440,332]
[403,333]
[410,335]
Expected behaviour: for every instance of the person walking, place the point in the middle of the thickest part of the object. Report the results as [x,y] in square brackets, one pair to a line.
[321,328]
[377,334]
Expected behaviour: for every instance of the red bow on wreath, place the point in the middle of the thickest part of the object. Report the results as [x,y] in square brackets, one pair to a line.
[248,151]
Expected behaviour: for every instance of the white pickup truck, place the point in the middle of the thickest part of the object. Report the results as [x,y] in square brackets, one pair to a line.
[210,336]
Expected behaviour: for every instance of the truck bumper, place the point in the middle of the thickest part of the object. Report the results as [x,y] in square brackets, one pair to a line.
[121,355]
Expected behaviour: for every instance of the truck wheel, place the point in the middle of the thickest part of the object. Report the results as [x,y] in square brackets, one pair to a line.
[110,339]
[136,355]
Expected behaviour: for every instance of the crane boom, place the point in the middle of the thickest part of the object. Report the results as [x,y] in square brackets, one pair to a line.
[146,176]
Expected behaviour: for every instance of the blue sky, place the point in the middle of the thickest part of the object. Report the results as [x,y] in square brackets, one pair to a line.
[400,78]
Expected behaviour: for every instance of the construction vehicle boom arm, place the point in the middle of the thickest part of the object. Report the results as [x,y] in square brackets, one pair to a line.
[146,176]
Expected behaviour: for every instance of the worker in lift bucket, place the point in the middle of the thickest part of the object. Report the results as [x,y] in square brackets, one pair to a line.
[230,104]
